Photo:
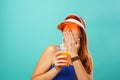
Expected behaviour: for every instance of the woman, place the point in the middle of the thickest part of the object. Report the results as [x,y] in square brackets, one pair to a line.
[54,67]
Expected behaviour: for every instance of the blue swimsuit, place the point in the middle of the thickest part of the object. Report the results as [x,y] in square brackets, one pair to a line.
[67,73]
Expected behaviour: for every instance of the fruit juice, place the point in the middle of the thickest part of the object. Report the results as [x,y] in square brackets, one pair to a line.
[65,53]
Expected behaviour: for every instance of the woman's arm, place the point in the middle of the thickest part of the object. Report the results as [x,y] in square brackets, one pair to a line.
[47,76]
[41,71]
[80,71]
[74,46]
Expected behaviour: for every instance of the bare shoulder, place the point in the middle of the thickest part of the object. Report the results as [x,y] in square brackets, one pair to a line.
[51,49]
[45,61]
[49,52]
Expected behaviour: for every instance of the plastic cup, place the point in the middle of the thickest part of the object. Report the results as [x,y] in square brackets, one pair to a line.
[64,52]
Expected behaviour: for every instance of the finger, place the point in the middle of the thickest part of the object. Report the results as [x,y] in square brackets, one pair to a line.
[61,57]
[68,40]
[68,36]
[61,64]
[64,35]
[78,43]
[62,61]
[58,52]
[72,37]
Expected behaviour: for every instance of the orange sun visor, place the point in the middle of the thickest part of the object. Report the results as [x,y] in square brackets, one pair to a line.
[68,26]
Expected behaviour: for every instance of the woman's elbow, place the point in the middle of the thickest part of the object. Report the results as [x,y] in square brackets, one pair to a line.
[32,78]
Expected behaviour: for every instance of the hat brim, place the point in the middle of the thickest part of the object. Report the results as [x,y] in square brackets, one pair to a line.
[62,25]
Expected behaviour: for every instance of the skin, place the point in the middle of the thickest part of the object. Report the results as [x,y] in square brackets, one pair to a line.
[50,57]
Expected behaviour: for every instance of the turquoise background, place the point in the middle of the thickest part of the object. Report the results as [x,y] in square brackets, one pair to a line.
[27,27]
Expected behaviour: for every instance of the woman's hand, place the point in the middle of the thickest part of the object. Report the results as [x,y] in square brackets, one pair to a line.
[60,60]
[72,44]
